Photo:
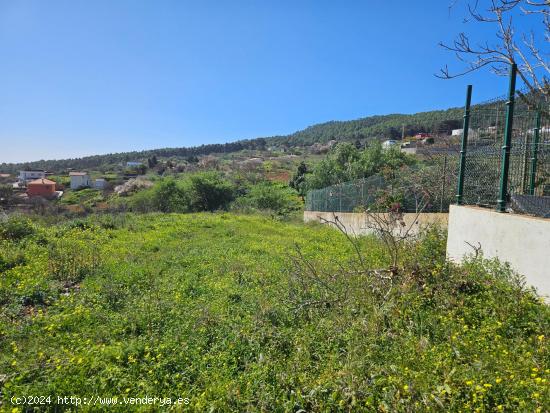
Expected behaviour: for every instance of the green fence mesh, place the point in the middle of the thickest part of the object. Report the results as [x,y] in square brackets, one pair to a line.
[345,197]
[436,175]
[529,175]
[429,186]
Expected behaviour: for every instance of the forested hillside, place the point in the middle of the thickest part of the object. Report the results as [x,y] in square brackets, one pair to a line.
[372,127]
[385,126]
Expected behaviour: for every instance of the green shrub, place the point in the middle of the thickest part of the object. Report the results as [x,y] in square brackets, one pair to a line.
[209,191]
[205,191]
[346,162]
[10,259]
[268,196]
[15,228]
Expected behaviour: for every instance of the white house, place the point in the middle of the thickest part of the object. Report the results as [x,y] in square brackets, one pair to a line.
[133,164]
[389,143]
[31,175]
[542,130]
[79,180]
[100,183]
[471,132]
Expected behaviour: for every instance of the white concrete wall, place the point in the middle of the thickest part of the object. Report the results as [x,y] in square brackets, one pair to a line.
[356,223]
[521,240]
[25,176]
[80,181]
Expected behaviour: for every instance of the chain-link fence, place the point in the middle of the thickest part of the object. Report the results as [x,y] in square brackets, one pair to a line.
[522,183]
[428,186]
[345,197]
[504,163]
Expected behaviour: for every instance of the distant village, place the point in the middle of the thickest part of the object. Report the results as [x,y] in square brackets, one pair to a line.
[33,183]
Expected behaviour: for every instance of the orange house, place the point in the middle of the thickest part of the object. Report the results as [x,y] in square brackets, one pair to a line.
[41,187]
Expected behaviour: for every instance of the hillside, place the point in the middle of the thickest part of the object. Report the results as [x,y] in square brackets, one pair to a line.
[386,126]
[222,311]
[372,127]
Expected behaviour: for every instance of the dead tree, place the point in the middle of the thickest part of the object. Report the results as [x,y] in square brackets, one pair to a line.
[528,50]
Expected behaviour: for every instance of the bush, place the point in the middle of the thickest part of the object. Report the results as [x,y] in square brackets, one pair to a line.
[16,228]
[269,196]
[209,191]
[205,191]
[169,196]
[346,163]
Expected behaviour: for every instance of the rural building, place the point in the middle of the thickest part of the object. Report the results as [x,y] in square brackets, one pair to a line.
[5,178]
[79,180]
[41,187]
[471,132]
[389,143]
[100,183]
[133,164]
[31,175]
[408,148]
[422,135]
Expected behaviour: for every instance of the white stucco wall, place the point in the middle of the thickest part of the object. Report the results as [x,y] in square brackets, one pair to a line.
[80,181]
[521,240]
[356,223]
[25,176]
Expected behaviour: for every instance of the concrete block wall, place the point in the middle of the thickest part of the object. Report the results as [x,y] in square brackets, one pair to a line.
[356,223]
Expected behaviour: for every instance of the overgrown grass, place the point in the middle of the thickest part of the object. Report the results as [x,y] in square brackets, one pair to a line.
[211,308]
[88,197]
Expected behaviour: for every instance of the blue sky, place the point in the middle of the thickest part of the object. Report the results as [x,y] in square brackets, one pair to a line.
[92,77]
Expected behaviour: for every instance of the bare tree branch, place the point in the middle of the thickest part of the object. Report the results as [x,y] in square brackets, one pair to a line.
[530,58]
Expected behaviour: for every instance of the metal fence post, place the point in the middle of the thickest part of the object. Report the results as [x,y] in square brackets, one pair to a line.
[508,130]
[443,184]
[466,127]
[534,155]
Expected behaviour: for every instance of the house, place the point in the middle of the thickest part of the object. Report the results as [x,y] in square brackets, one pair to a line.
[5,178]
[31,175]
[422,135]
[41,187]
[408,147]
[471,132]
[100,183]
[133,164]
[79,180]
[542,130]
[389,143]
